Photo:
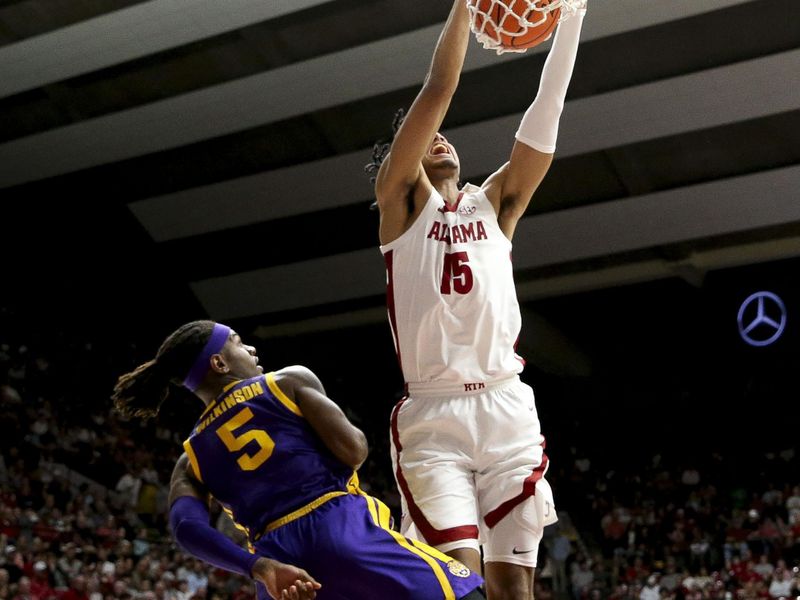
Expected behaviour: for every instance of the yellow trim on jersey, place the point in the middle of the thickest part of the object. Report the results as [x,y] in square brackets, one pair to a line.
[192,460]
[236,524]
[250,548]
[353,485]
[230,385]
[303,510]
[423,552]
[278,393]
[213,403]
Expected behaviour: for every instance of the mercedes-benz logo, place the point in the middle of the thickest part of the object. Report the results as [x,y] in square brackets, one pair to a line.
[762,318]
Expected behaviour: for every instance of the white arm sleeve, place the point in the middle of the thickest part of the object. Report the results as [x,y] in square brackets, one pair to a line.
[539,127]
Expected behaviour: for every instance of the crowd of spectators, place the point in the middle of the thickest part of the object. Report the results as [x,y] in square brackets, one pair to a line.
[83,500]
[83,495]
[704,531]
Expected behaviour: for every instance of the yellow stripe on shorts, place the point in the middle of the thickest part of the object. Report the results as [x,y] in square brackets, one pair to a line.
[384,515]
[431,551]
[380,512]
[373,513]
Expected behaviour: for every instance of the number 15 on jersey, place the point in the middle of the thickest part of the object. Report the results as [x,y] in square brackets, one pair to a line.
[456,274]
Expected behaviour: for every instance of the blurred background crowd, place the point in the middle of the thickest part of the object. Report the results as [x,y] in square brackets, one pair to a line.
[83,493]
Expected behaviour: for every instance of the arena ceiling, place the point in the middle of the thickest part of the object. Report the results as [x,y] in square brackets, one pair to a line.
[188,156]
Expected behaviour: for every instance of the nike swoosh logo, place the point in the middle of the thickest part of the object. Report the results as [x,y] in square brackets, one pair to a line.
[515,551]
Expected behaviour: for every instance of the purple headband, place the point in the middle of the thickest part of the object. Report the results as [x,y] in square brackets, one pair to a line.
[201,365]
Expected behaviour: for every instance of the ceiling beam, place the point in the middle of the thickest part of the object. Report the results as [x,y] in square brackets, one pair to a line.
[127,34]
[722,207]
[572,283]
[738,92]
[300,88]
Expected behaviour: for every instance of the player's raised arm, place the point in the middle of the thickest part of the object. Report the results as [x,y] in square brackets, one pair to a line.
[511,188]
[346,441]
[402,168]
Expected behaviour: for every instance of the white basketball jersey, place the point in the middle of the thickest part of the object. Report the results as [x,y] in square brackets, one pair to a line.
[450,294]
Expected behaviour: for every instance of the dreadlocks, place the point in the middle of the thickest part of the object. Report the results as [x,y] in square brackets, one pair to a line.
[381,147]
[141,392]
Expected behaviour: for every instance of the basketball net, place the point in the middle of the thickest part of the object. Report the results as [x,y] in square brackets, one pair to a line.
[490,37]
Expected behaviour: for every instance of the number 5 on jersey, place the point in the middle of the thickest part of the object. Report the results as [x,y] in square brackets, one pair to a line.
[234,443]
[456,274]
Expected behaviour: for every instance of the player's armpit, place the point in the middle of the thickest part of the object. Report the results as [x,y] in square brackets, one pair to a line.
[401,204]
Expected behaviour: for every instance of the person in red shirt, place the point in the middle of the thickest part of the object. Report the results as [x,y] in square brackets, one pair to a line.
[77,589]
[40,582]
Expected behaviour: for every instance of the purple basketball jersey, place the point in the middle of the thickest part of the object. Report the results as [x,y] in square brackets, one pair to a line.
[258,456]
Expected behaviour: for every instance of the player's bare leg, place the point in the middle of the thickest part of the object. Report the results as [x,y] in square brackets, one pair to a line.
[468,556]
[505,581]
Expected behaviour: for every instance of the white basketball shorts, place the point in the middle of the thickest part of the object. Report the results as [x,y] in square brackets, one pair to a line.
[470,467]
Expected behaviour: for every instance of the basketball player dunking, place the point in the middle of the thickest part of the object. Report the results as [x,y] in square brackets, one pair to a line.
[466,441]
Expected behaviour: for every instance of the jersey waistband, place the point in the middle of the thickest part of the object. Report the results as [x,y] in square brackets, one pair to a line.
[432,389]
[353,488]
[302,511]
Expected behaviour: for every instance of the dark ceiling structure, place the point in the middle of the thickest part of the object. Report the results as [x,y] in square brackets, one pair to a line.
[207,157]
